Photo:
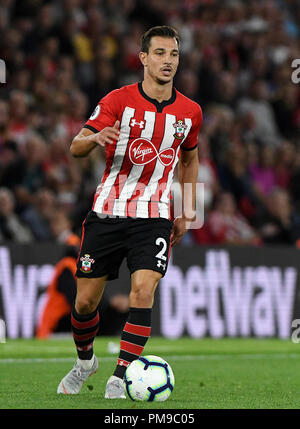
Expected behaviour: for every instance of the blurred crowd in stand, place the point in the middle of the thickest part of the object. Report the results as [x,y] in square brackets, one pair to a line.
[63,56]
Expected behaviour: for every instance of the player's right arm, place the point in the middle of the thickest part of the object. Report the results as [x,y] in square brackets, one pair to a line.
[86,140]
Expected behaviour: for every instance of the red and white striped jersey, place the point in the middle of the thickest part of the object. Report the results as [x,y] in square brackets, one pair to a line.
[140,165]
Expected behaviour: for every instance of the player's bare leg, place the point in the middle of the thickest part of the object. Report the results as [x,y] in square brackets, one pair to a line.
[143,286]
[137,328]
[84,321]
[89,294]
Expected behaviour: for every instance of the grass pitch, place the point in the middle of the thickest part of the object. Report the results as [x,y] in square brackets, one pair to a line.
[209,374]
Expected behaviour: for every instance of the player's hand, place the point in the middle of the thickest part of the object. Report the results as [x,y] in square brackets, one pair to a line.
[107,135]
[180,227]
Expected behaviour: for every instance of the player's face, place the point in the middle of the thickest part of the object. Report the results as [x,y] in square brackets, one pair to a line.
[162,60]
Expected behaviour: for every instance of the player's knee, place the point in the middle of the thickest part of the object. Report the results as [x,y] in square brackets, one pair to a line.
[141,297]
[85,305]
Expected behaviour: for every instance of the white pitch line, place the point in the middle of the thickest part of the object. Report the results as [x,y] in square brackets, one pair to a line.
[167,357]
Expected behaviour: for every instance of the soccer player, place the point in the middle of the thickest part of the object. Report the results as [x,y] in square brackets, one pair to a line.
[146,129]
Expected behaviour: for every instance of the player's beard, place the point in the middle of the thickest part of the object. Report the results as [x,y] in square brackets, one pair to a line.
[163,82]
[159,80]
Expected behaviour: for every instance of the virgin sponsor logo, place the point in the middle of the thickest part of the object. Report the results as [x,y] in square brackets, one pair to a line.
[142,151]
[219,299]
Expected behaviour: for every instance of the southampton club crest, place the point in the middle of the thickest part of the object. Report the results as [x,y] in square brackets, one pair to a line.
[86,263]
[180,128]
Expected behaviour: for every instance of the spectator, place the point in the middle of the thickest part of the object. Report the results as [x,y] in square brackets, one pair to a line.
[60,173]
[11,165]
[34,155]
[38,214]
[11,228]
[189,85]
[287,111]
[61,228]
[235,178]
[284,164]
[219,128]
[4,116]
[31,171]
[76,113]
[263,173]
[207,172]
[294,183]
[258,104]
[104,82]
[61,294]
[278,224]
[227,226]
[60,297]
[226,90]
[17,125]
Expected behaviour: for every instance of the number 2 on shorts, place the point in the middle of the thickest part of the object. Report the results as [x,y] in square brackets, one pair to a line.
[160,254]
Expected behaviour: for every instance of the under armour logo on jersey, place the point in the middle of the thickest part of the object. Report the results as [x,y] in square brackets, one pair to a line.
[160,264]
[135,123]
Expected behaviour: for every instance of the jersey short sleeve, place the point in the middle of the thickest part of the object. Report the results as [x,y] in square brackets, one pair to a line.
[104,115]
[191,141]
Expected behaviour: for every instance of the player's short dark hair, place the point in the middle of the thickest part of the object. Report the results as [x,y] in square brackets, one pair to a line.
[160,31]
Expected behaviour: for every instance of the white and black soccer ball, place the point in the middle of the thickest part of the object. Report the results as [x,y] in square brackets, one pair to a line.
[149,378]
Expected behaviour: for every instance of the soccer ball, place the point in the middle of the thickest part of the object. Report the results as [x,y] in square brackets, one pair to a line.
[149,378]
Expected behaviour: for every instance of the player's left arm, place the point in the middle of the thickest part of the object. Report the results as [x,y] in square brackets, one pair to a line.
[187,175]
[188,166]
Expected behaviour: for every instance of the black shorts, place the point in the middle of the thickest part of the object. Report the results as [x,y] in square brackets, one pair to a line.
[145,243]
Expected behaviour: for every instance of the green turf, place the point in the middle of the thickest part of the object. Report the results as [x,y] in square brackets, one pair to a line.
[224,373]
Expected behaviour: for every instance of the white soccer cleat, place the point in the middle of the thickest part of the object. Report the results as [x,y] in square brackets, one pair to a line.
[114,388]
[71,384]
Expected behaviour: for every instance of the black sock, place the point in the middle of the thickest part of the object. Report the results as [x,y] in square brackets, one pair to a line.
[85,328]
[135,334]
